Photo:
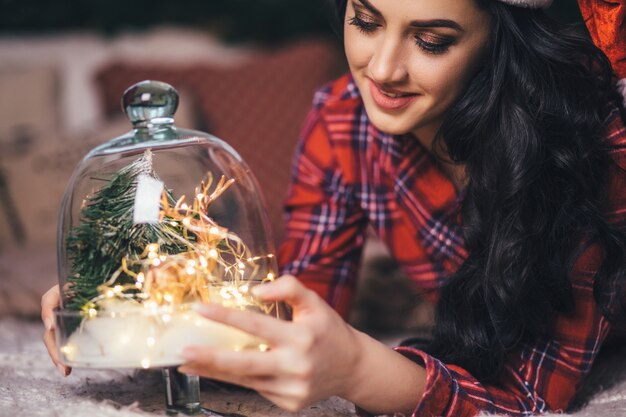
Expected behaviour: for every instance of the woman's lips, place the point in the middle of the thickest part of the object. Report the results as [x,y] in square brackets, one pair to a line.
[390,103]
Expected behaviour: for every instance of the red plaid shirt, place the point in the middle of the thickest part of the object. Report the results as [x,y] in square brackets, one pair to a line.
[347,175]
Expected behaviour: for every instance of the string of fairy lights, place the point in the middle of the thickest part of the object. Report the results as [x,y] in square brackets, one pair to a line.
[216,260]
[215,267]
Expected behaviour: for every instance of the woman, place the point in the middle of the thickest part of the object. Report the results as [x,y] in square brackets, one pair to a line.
[485,145]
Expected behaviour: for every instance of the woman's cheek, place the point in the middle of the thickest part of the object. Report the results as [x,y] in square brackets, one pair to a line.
[444,78]
[357,48]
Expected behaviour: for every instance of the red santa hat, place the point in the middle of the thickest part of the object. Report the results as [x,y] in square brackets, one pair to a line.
[606,21]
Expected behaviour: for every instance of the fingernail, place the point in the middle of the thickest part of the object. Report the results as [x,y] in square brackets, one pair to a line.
[48,323]
[186,370]
[259,290]
[189,353]
[62,369]
[203,308]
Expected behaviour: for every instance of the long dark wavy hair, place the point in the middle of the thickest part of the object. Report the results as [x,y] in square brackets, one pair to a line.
[529,129]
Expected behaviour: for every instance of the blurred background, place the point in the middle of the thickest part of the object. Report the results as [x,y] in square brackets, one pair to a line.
[246,71]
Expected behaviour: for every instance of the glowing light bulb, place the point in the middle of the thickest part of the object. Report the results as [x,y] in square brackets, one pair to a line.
[186,221]
[145,363]
[270,276]
[184,206]
[67,349]
[263,347]
[150,341]
[213,254]
[152,306]
[166,318]
[156,262]
[118,289]
[225,294]
[141,277]
[109,293]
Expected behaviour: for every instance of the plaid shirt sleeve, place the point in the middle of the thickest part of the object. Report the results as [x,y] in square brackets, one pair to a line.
[545,375]
[325,226]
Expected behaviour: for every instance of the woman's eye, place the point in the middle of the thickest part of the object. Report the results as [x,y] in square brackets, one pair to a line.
[365,26]
[436,48]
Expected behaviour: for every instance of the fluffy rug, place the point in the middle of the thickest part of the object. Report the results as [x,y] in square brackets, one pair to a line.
[31,386]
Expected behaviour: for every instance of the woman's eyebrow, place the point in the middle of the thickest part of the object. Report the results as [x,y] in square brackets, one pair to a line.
[437,23]
[370,7]
[420,24]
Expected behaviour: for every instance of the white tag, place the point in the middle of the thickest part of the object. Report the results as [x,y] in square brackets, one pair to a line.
[147,200]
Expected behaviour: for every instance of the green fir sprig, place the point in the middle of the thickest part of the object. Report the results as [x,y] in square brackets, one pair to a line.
[107,233]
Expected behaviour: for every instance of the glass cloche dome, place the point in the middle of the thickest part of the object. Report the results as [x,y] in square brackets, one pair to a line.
[153,222]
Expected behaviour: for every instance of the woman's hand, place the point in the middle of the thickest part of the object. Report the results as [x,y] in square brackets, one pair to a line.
[311,358]
[50,300]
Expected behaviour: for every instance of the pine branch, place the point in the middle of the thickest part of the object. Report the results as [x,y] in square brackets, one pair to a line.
[107,233]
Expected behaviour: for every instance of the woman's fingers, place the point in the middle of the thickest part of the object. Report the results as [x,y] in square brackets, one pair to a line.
[49,301]
[248,362]
[287,288]
[290,392]
[50,342]
[218,361]
[269,328]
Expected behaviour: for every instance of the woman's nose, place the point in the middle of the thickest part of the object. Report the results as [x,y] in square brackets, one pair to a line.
[388,64]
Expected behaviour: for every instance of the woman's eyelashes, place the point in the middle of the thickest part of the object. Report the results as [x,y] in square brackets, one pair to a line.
[433,46]
[428,43]
[363,25]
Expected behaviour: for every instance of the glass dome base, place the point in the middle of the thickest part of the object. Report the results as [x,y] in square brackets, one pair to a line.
[140,338]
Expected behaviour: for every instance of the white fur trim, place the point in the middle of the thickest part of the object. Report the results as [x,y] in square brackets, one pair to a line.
[621,87]
[531,4]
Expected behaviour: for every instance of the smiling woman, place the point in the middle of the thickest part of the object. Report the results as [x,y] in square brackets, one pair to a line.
[485,144]
[410,70]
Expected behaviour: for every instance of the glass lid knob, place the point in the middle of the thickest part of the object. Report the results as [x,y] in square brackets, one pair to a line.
[150,103]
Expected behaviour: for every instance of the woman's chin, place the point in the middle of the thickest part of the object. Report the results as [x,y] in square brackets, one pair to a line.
[390,125]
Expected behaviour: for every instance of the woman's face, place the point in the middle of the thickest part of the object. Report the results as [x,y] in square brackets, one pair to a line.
[411,59]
